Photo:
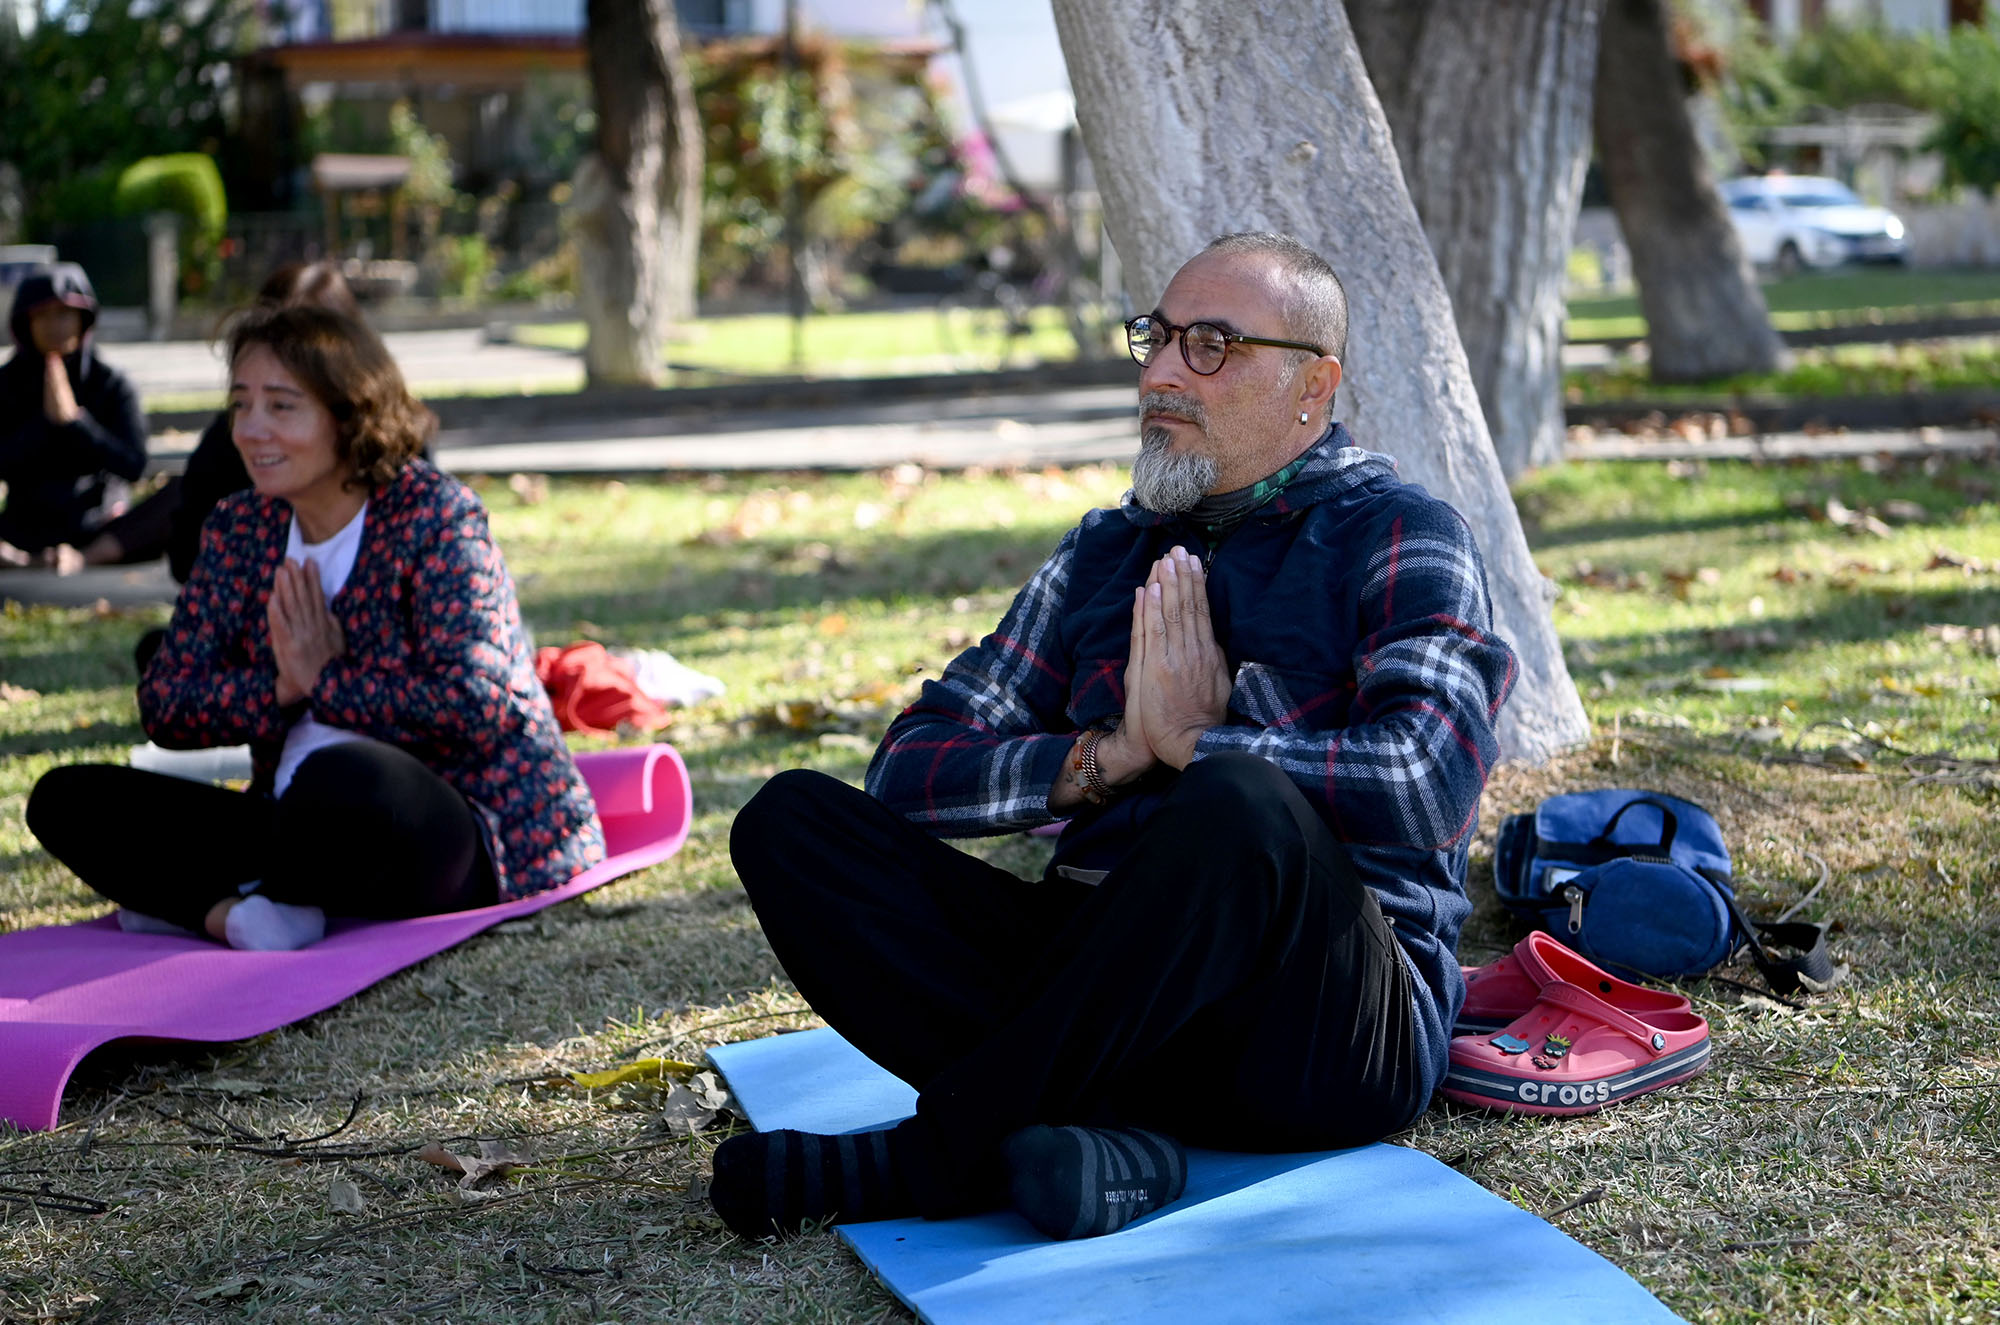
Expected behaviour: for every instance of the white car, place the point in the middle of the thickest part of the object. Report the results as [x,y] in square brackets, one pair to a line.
[1788,222]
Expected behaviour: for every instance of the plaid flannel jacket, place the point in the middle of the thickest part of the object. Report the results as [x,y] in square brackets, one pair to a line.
[1354,612]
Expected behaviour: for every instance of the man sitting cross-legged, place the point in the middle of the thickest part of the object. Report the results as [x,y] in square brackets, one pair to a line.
[1265,690]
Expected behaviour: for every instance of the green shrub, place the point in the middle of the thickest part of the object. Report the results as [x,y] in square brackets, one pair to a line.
[186,183]
[1968,132]
[75,199]
[465,262]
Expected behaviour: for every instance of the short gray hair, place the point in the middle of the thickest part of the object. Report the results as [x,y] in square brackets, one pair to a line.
[1316,304]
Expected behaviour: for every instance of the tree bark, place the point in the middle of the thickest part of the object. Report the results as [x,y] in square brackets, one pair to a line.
[1489,105]
[1258,114]
[636,210]
[1705,316]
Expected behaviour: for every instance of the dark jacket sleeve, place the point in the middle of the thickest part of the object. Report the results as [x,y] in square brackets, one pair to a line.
[108,435]
[981,748]
[110,426]
[214,471]
[1408,767]
[23,427]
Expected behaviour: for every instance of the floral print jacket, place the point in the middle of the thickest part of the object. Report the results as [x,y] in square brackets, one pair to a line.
[437,664]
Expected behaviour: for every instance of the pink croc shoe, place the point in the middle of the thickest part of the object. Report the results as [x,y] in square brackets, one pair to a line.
[1571,1053]
[1499,992]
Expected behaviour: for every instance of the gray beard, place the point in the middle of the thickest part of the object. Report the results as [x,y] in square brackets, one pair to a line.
[1169,482]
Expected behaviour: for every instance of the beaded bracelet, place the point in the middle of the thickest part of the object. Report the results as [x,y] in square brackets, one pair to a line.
[1090,776]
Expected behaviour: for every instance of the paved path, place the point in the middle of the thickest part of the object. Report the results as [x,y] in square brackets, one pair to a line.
[430,360]
[433,362]
[1074,426]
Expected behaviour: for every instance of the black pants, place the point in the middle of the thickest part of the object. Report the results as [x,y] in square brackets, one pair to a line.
[1231,983]
[363,830]
[142,531]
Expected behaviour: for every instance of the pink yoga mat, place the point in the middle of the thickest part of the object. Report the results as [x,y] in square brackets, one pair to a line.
[66,989]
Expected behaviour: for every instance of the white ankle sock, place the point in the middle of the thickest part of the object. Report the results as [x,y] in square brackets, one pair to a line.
[259,924]
[137,922]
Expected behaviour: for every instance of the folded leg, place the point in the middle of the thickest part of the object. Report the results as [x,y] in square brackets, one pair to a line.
[159,845]
[908,947]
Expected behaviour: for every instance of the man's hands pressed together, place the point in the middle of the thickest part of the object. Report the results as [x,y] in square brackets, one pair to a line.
[305,636]
[1176,679]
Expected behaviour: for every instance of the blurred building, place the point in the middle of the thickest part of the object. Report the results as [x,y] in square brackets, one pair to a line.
[480,72]
[1787,18]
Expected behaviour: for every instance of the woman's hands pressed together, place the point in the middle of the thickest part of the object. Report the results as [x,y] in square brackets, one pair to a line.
[305,636]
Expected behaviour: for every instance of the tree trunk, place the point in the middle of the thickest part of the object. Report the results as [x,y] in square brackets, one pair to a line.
[1489,104]
[1258,114]
[1705,316]
[637,205]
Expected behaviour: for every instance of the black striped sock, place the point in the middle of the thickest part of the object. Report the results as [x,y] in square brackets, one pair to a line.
[772,1182]
[1079,1182]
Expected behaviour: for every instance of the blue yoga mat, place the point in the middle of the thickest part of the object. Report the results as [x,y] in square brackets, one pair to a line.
[1383,1233]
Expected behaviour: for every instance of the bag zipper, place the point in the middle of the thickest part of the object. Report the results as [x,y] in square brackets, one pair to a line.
[1574,896]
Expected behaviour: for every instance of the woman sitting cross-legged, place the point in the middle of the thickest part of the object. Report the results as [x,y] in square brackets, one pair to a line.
[350,618]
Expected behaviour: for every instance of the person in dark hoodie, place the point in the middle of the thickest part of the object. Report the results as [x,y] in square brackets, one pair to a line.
[1263,693]
[72,435]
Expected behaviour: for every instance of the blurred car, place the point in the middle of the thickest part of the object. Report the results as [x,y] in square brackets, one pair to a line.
[1789,222]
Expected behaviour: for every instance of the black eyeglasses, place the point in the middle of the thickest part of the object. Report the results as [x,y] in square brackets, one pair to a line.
[1203,344]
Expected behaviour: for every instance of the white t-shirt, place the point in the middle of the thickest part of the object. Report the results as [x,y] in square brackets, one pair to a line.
[335,559]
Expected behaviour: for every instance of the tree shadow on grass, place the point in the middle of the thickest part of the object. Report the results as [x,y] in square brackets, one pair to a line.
[47,742]
[58,671]
[1856,617]
[1543,539]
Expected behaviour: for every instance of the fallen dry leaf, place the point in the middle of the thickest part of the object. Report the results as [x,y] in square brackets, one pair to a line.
[494,1160]
[345,1197]
[683,1113]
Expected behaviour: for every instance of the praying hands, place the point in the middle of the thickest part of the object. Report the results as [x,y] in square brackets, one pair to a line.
[58,401]
[1176,679]
[305,635]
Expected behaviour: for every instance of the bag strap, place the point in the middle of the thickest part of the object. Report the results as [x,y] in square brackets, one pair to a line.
[1807,965]
[1669,825]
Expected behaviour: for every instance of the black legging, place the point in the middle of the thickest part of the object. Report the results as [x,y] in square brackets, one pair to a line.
[1234,937]
[363,830]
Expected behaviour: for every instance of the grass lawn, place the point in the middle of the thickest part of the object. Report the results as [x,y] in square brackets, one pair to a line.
[1962,364]
[953,338]
[921,340]
[1820,299]
[1829,691]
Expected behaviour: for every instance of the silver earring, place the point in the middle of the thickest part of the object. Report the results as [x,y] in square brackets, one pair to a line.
[1304,417]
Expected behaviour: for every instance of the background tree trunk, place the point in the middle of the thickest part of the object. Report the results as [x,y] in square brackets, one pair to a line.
[1705,316]
[637,204]
[1258,114]
[1489,104]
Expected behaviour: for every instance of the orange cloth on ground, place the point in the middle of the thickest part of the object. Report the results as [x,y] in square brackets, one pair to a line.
[594,692]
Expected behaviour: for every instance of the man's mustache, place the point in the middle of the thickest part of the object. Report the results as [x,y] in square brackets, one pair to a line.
[1174,405]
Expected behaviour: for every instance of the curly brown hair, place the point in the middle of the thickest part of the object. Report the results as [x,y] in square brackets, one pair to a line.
[311,283]
[379,425]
